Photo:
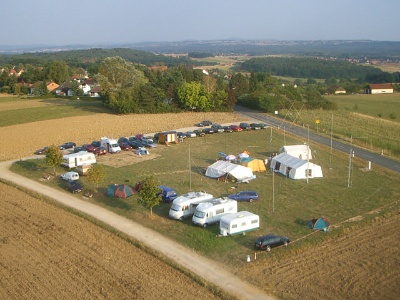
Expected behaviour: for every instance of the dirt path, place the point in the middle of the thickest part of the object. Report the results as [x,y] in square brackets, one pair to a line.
[205,268]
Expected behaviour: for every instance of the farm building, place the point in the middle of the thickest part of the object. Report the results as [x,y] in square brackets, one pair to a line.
[294,167]
[168,137]
[381,88]
[299,151]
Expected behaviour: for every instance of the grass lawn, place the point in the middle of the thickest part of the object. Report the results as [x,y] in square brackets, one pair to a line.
[284,207]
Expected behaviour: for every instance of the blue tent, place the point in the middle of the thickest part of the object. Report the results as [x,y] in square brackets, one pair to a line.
[319,224]
[120,191]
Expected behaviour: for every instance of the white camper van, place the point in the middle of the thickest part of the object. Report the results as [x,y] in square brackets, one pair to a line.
[78,159]
[110,144]
[239,223]
[211,211]
[185,205]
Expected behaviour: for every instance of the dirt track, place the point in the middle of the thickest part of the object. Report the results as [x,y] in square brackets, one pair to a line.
[46,247]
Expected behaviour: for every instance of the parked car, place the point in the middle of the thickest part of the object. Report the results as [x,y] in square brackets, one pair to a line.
[74,186]
[180,135]
[245,126]
[236,128]
[255,126]
[199,132]
[147,139]
[168,194]
[209,130]
[70,176]
[125,146]
[263,125]
[89,147]
[148,143]
[267,242]
[217,128]
[190,134]
[79,149]
[227,129]
[204,123]
[100,151]
[135,144]
[67,145]
[244,196]
[96,143]
[41,151]
[123,140]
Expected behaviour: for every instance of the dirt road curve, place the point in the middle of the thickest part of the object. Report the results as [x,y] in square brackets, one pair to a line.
[207,269]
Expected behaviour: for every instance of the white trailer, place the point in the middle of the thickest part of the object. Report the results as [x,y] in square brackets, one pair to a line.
[78,159]
[185,205]
[110,144]
[238,223]
[210,212]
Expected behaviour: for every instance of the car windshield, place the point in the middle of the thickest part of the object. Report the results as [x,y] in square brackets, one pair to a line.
[114,145]
[176,207]
[199,214]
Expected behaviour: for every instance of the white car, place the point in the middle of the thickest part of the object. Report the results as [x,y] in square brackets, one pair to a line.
[70,176]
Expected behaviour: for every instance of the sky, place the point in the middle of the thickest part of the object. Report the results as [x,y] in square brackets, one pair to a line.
[103,22]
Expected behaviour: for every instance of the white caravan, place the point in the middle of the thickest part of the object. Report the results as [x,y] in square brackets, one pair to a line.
[211,211]
[110,144]
[238,223]
[78,159]
[185,205]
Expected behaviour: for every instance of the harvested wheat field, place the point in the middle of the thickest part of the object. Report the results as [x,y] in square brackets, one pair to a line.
[49,253]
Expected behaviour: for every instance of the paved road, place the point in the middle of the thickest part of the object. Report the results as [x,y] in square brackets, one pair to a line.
[203,267]
[374,158]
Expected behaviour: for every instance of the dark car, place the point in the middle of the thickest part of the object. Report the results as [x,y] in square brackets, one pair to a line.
[181,135]
[100,151]
[217,127]
[236,128]
[263,125]
[74,186]
[67,145]
[96,144]
[227,129]
[255,126]
[209,130]
[79,149]
[41,151]
[204,123]
[123,140]
[244,196]
[245,126]
[168,194]
[199,132]
[136,144]
[267,242]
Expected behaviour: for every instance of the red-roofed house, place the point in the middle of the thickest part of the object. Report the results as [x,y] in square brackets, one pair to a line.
[380,88]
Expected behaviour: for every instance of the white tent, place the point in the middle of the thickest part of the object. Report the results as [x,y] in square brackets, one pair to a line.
[221,168]
[299,151]
[294,167]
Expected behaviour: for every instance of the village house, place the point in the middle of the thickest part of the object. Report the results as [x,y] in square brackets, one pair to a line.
[380,88]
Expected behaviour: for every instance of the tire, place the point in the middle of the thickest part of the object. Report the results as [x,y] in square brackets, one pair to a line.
[205,225]
[268,249]
[285,244]
[251,200]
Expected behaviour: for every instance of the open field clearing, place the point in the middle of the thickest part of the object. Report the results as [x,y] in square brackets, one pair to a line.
[357,259]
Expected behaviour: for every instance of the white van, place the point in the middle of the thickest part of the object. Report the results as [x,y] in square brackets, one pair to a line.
[70,176]
[238,223]
[185,205]
[78,159]
[211,211]
[110,144]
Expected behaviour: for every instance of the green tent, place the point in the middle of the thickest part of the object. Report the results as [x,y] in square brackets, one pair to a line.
[120,191]
[319,224]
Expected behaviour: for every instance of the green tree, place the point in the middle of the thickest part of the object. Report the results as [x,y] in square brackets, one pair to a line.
[149,194]
[53,157]
[194,95]
[58,72]
[96,175]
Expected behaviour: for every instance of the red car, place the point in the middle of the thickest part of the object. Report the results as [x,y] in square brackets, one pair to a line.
[125,146]
[236,128]
[88,147]
[100,151]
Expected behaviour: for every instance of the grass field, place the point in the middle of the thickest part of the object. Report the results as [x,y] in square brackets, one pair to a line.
[357,117]
[284,207]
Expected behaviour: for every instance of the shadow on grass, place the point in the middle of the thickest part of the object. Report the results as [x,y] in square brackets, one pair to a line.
[31,165]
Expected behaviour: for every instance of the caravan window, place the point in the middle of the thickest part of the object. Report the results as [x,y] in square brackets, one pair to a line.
[176,207]
[219,211]
[244,224]
[234,226]
[199,214]
[255,221]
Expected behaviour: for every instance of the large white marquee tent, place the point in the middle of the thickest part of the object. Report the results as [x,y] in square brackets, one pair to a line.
[294,167]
